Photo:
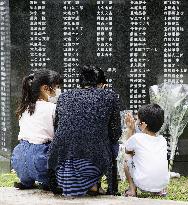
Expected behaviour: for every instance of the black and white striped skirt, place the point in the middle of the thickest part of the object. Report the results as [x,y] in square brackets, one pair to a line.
[76,177]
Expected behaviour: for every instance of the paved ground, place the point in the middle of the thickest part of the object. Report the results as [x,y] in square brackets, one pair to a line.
[11,196]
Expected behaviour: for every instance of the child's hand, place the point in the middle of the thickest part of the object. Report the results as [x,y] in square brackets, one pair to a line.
[130,122]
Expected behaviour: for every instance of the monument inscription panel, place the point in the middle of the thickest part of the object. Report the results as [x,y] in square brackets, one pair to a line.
[138,43]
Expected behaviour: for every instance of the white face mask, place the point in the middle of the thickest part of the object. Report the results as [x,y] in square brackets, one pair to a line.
[137,127]
[54,98]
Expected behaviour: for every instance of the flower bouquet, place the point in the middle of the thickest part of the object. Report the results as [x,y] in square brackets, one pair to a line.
[121,154]
[173,98]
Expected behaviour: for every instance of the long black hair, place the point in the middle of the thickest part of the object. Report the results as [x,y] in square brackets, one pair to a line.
[31,88]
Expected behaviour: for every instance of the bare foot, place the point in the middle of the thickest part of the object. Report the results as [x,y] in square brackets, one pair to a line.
[130,192]
[162,193]
[94,188]
[100,189]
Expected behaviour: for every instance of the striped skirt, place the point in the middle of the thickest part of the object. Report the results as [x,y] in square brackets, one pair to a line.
[76,177]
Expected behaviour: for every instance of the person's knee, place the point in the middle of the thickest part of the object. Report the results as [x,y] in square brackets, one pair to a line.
[128,157]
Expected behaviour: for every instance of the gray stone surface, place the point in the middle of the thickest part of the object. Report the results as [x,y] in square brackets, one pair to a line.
[11,196]
[4,165]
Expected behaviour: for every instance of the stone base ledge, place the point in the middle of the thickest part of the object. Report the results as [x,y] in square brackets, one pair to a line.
[12,196]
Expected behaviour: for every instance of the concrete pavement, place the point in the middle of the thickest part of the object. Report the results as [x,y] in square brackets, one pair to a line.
[12,196]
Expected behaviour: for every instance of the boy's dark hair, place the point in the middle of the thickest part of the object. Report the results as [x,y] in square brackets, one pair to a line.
[91,76]
[152,115]
[31,88]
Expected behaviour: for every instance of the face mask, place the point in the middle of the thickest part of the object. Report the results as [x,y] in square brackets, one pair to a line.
[54,98]
[137,127]
[58,92]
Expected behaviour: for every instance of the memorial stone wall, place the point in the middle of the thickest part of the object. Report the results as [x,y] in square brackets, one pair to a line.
[138,43]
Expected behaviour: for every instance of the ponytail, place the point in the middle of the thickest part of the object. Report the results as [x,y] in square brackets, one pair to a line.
[31,89]
[28,100]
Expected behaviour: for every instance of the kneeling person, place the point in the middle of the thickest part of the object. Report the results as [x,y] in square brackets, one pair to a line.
[146,166]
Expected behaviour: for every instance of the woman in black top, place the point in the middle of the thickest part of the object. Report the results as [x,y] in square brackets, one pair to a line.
[87,124]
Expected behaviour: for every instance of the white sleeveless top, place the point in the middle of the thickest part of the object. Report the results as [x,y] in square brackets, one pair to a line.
[38,128]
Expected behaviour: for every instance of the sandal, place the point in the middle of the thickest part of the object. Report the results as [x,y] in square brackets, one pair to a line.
[21,186]
[43,187]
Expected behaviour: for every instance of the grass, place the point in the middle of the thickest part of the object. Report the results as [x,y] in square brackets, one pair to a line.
[7,180]
[177,189]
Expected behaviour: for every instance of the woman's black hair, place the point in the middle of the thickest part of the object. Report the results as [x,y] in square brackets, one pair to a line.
[100,76]
[91,76]
[152,115]
[31,88]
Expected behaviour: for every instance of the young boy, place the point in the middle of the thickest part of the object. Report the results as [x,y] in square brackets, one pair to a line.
[146,165]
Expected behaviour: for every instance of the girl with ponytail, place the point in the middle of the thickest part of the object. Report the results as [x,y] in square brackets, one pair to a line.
[40,90]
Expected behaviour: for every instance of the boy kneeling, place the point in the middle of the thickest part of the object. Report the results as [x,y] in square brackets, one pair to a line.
[146,165]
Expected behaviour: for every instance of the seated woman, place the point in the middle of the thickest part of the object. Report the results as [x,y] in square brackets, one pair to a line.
[87,123]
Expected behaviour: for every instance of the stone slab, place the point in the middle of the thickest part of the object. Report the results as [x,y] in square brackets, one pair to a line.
[12,196]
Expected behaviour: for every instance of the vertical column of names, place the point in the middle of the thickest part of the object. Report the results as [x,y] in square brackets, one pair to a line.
[139,21]
[104,34]
[172,31]
[104,28]
[38,36]
[4,74]
[71,31]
